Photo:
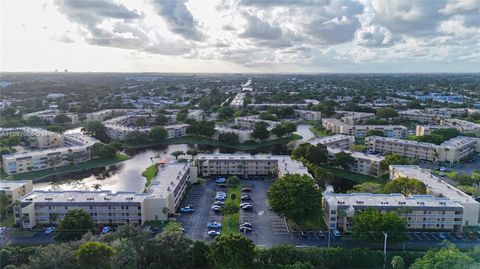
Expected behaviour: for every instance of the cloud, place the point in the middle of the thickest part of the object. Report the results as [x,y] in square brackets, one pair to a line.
[374,36]
[178,18]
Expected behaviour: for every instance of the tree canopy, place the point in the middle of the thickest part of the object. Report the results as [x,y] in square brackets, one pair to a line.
[370,224]
[343,159]
[392,159]
[405,186]
[260,131]
[445,258]
[295,197]
[75,223]
[97,130]
[94,255]
[232,251]
[103,150]
[315,154]
[158,133]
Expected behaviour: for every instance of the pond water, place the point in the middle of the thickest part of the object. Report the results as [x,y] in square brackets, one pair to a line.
[126,176]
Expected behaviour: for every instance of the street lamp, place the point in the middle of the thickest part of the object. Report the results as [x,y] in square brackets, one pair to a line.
[385,249]
[329,232]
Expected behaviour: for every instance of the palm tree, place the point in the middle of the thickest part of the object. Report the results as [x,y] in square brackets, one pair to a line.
[97,187]
[165,211]
[53,217]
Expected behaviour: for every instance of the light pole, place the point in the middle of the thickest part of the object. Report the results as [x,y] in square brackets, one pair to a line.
[329,232]
[385,249]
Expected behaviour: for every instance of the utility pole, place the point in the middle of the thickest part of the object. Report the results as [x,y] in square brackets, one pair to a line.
[385,250]
[329,232]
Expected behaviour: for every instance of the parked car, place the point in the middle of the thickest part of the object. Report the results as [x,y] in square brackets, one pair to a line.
[245,197]
[221,193]
[246,189]
[247,224]
[336,233]
[219,203]
[216,208]
[213,233]
[442,169]
[304,234]
[214,225]
[106,230]
[442,235]
[187,209]
[244,204]
[220,198]
[244,229]
[247,207]
[50,230]
[220,180]
[321,234]
[441,174]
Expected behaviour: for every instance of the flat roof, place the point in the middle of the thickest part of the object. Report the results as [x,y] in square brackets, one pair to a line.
[435,185]
[167,179]
[12,184]
[358,155]
[331,139]
[77,196]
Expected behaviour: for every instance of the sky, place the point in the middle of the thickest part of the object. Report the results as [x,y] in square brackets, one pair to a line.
[240,36]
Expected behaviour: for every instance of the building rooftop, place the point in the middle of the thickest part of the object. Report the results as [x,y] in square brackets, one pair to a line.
[167,179]
[358,155]
[331,139]
[435,185]
[10,184]
[74,196]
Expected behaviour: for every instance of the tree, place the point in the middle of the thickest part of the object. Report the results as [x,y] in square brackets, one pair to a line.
[283,129]
[232,251]
[53,217]
[116,145]
[94,255]
[53,256]
[260,131]
[300,265]
[61,119]
[392,159]
[173,227]
[387,113]
[315,154]
[103,151]
[5,257]
[370,224]
[199,254]
[177,153]
[182,115]
[233,181]
[4,203]
[268,116]
[35,121]
[56,129]
[230,138]
[368,187]
[158,133]
[97,130]
[136,137]
[225,113]
[405,186]
[343,159]
[295,197]
[398,262]
[444,258]
[76,223]
[161,119]
[372,132]
[141,122]
[126,254]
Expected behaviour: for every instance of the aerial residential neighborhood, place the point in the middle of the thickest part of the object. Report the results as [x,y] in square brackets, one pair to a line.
[239,134]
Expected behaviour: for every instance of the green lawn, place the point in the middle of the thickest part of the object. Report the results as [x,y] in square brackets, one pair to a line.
[411,137]
[212,142]
[230,221]
[8,222]
[359,140]
[450,174]
[319,133]
[358,178]
[150,173]
[95,163]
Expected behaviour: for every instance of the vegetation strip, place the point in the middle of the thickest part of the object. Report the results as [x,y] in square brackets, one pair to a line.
[231,221]
[150,174]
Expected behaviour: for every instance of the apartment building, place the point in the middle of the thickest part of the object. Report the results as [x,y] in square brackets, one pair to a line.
[353,117]
[161,199]
[269,105]
[339,127]
[35,137]
[195,114]
[308,114]
[248,122]
[424,211]
[421,130]
[440,188]
[15,189]
[446,111]
[50,114]
[365,164]
[452,150]
[462,125]
[418,115]
[335,141]
[119,127]
[76,149]
[248,165]
[243,135]
[237,101]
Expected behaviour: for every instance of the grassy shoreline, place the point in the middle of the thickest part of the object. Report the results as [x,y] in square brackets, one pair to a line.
[150,174]
[95,163]
[212,142]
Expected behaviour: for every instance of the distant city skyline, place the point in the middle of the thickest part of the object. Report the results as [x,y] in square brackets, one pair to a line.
[241,36]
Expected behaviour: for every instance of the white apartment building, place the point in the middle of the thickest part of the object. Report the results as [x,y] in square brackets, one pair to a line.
[269,105]
[365,164]
[446,111]
[248,122]
[440,188]
[161,199]
[419,115]
[196,114]
[462,125]
[243,135]
[237,101]
[248,165]
[76,149]
[352,117]
[425,211]
[35,137]
[339,127]
[452,150]
[15,189]
[308,114]
[119,127]
[50,114]
[335,141]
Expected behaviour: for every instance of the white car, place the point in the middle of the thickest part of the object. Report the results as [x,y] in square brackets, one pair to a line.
[2,230]
[213,233]
[244,204]
[216,207]
[336,233]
